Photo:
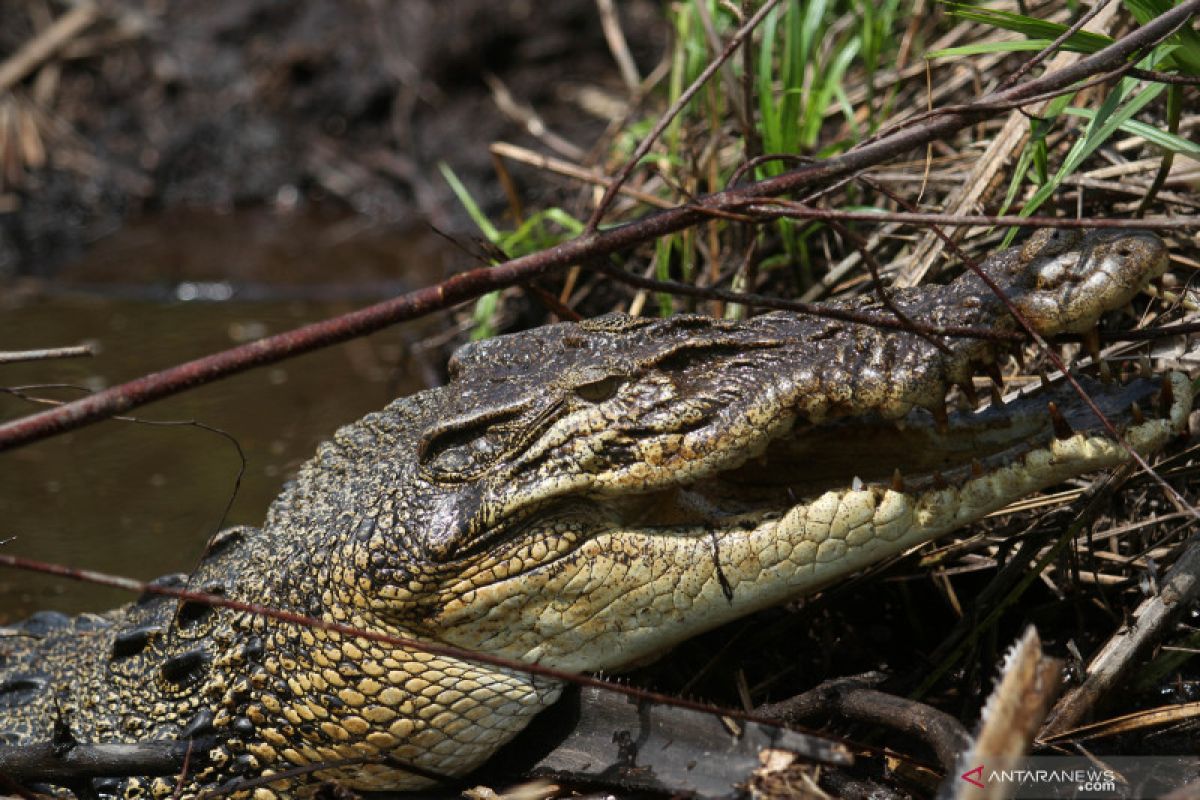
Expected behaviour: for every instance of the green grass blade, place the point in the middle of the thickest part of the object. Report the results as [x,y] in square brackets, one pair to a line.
[477,216]
[1160,138]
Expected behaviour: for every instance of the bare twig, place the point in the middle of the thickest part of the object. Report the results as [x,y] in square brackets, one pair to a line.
[18,356]
[47,43]
[570,170]
[610,23]
[1051,48]
[1157,76]
[814,309]
[855,699]
[771,207]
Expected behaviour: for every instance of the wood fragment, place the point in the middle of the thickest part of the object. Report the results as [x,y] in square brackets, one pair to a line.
[38,50]
[1151,620]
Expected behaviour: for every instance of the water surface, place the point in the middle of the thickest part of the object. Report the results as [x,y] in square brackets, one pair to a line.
[141,499]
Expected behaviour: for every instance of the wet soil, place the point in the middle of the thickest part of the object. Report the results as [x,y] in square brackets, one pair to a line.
[161,106]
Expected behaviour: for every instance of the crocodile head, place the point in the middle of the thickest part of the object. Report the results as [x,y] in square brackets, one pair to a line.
[584,495]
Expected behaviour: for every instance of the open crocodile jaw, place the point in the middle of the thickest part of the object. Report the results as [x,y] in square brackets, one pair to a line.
[682,560]
[710,522]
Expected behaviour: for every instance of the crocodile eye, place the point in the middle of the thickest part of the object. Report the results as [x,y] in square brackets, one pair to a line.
[462,449]
[600,390]
[462,454]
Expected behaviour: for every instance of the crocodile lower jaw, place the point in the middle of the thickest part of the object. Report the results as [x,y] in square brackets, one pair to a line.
[687,560]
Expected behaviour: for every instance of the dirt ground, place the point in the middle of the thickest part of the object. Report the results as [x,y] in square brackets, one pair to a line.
[159,106]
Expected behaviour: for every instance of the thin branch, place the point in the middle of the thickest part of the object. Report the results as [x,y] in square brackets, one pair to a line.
[1156,76]
[18,356]
[610,23]
[571,170]
[1049,49]
[884,321]
[769,208]
[47,43]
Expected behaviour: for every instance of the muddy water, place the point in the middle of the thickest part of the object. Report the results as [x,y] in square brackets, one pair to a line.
[140,499]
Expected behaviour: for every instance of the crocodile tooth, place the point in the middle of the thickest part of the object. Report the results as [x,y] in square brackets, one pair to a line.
[1106,373]
[1135,412]
[941,417]
[1062,428]
[968,390]
[1091,343]
[993,372]
[897,481]
[976,468]
[1166,398]
[1144,368]
[939,480]
[997,396]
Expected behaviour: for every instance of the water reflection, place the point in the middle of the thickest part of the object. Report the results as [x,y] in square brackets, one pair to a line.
[141,499]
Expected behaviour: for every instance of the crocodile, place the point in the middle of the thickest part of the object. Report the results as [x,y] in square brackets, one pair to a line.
[582,496]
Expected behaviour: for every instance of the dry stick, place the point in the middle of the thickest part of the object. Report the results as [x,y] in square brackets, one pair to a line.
[885,321]
[673,111]
[1156,76]
[569,169]
[1150,622]
[18,356]
[610,23]
[1045,52]
[47,43]
[773,207]
[821,742]
[856,699]
[588,245]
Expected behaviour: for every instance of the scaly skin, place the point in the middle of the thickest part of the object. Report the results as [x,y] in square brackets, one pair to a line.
[581,496]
